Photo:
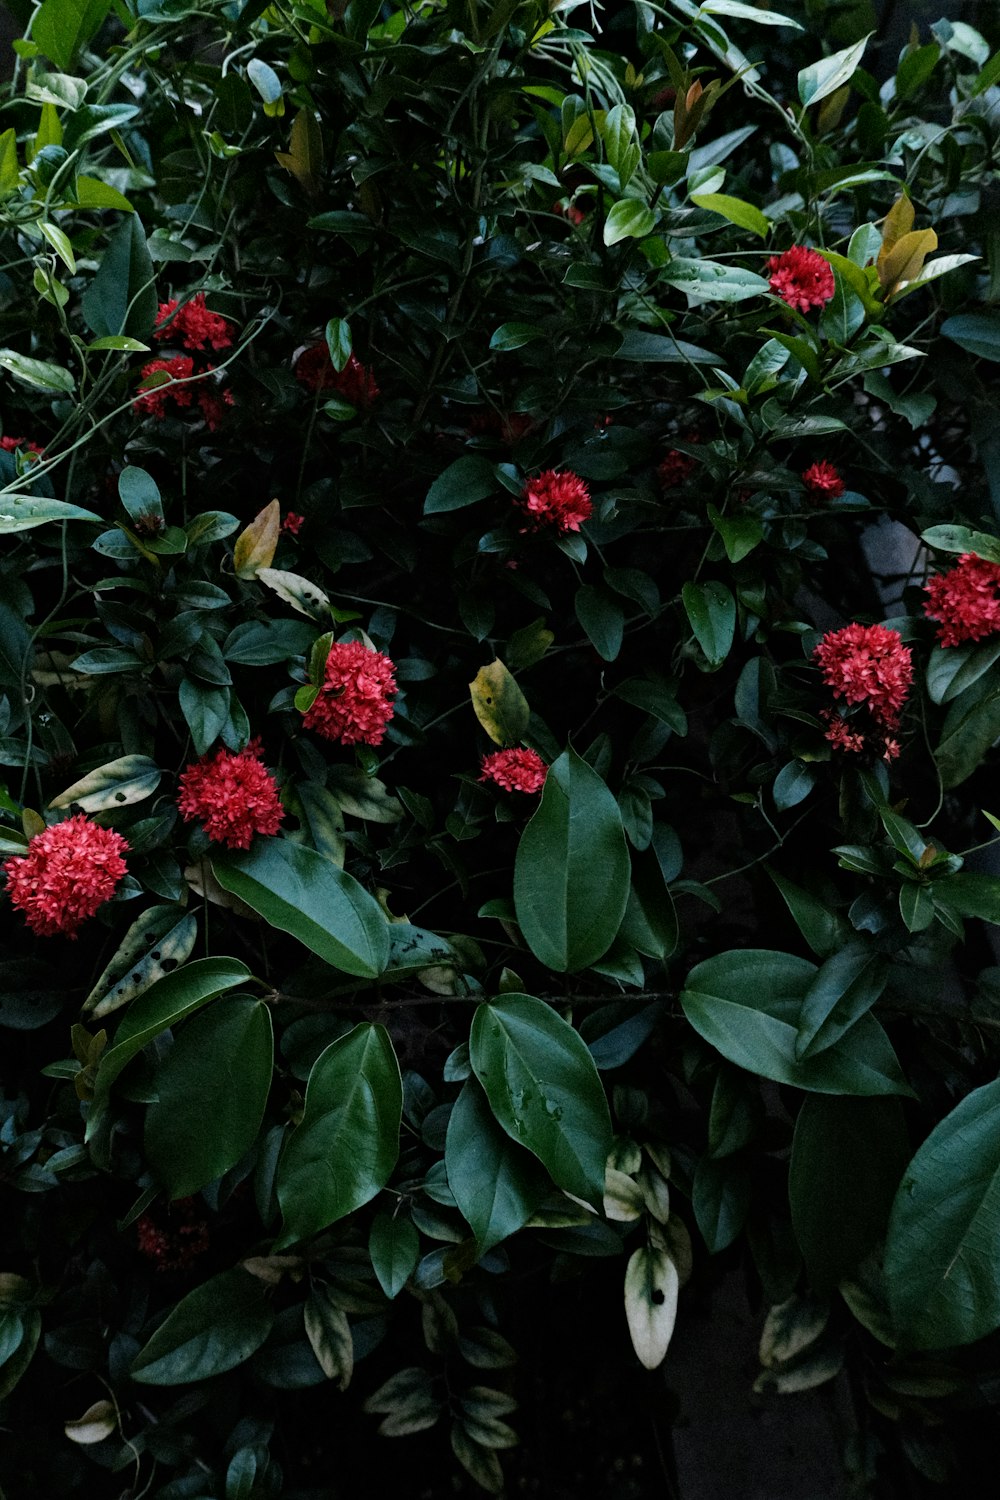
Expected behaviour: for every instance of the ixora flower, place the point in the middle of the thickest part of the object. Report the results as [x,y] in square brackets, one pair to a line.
[823,480]
[556,498]
[173,1237]
[515,770]
[153,403]
[674,469]
[965,601]
[234,796]
[66,874]
[293,523]
[868,664]
[192,325]
[12,444]
[355,382]
[801,277]
[353,703]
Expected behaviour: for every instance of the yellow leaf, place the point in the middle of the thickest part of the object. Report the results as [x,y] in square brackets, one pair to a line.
[832,109]
[651,1287]
[97,1423]
[906,258]
[500,706]
[304,158]
[255,547]
[897,222]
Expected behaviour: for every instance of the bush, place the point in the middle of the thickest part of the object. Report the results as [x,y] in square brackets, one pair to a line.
[499,634]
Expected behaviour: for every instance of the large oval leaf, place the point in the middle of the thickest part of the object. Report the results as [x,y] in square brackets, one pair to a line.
[296,889]
[571,873]
[651,1287]
[496,1184]
[942,1256]
[344,1150]
[211,1330]
[747,1004]
[544,1090]
[130,778]
[211,1092]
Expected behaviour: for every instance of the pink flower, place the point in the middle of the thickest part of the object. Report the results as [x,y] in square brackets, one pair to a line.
[353,704]
[867,664]
[67,872]
[965,600]
[354,383]
[515,770]
[674,469]
[193,326]
[293,523]
[153,403]
[801,277]
[559,499]
[234,795]
[823,480]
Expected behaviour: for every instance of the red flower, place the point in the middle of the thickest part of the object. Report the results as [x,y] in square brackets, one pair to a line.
[11,444]
[154,402]
[177,1246]
[214,401]
[568,210]
[823,480]
[354,383]
[293,523]
[235,796]
[867,664]
[67,872]
[515,770]
[559,499]
[193,326]
[965,600]
[801,277]
[353,701]
[837,732]
[674,469]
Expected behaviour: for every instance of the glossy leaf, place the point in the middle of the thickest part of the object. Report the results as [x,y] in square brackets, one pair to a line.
[496,1183]
[130,778]
[394,1247]
[212,1329]
[121,299]
[822,78]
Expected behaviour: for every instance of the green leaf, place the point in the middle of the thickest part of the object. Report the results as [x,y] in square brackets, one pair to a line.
[740,534]
[213,1329]
[265,80]
[129,779]
[720,1197]
[602,618]
[746,1004]
[747,13]
[394,1247]
[62,27]
[164,1004]
[329,1335]
[942,1261]
[845,988]
[571,871]
[499,705]
[210,1095]
[462,483]
[140,496]
[92,193]
[823,929]
[711,610]
[338,331]
[848,1156]
[951,669]
[496,1183]
[38,374]
[344,1150]
[364,796]
[10,174]
[155,944]
[792,785]
[737,212]
[962,539]
[297,890]
[514,336]
[121,299]
[820,79]
[544,1090]
[205,710]
[969,732]
[976,333]
[650,922]
[22,512]
[628,219]
[970,895]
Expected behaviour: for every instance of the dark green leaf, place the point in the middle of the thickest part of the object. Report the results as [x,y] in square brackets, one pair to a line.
[496,1183]
[394,1247]
[462,483]
[845,988]
[711,611]
[122,296]
[213,1329]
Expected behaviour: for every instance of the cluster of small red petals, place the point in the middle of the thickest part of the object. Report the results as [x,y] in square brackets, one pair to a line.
[823,480]
[965,601]
[674,469]
[559,499]
[193,326]
[177,1247]
[354,383]
[868,664]
[11,444]
[293,523]
[153,403]
[67,872]
[568,210]
[801,277]
[515,770]
[214,402]
[353,704]
[840,736]
[233,795]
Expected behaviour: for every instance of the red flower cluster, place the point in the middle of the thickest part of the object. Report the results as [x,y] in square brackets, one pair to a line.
[869,665]
[823,480]
[211,401]
[353,704]
[515,770]
[67,872]
[293,523]
[193,326]
[354,383]
[556,499]
[177,1247]
[674,469]
[965,601]
[801,277]
[569,210]
[234,795]
[11,444]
